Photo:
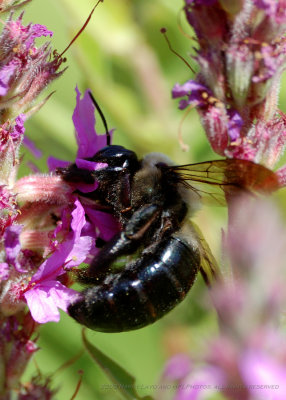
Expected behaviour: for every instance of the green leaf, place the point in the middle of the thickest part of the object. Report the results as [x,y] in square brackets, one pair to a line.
[119,376]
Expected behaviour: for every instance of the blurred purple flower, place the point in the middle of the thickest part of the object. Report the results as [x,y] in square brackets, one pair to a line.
[178,367]
[246,361]
[263,375]
[30,145]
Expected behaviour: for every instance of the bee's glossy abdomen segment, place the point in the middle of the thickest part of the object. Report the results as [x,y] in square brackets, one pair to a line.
[143,292]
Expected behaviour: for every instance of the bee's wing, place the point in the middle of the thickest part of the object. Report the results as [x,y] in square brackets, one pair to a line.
[209,266]
[212,180]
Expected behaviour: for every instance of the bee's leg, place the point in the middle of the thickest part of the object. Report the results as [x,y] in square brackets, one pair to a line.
[123,243]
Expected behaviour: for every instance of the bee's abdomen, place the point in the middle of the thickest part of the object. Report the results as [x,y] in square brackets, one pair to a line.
[143,292]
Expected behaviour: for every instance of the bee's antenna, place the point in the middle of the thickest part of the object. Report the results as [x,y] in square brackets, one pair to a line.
[108,140]
[163,31]
[81,29]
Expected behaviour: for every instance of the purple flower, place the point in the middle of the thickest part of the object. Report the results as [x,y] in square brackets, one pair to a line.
[264,375]
[178,367]
[274,9]
[73,239]
[6,73]
[246,359]
[45,299]
[45,294]
[89,142]
[70,224]
[14,131]
[36,31]
[192,382]
[197,94]
[241,55]
[222,124]
[25,70]
[54,163]
[235,124]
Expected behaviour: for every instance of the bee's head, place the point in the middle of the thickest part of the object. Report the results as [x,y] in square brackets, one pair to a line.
[117,156]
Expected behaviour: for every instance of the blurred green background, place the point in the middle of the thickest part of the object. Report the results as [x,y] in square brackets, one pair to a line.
[123,58]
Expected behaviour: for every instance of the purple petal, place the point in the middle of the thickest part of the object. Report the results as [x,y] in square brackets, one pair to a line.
[107,225]
[41,30]
[89,142]
[36,31]
[54,163]
[6,72]
[194,386]
[70,253]
[78,218]
[187,88]
[13,245]
[195,93]
[90,165]
[265,376]
[269,6]
[178,367]
[234,125]
[4,271]
[44,300]
[86,187]
[80,251]
[30,145]
[53,266]
[19,128]
[33,167]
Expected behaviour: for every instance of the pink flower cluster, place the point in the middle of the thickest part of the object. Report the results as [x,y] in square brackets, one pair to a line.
[25,70]
[241,52]
[68,242]
[46,227]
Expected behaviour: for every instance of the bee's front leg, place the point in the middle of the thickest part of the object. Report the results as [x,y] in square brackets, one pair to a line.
[137,232]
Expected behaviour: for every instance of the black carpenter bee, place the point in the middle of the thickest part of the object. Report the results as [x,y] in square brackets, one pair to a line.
[158,246]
